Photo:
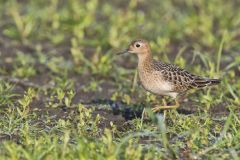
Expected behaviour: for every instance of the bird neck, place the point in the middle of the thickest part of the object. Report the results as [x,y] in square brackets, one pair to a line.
[144,61]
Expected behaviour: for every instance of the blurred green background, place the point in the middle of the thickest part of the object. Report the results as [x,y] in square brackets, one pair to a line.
[63,53]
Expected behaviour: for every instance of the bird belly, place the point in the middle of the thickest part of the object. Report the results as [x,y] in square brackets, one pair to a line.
[160,89]
[157,86]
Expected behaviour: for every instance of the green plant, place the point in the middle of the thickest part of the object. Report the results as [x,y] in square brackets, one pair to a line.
[24,103]
[6,94]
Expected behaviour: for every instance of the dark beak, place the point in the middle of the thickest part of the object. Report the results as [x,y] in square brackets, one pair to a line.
[125,51]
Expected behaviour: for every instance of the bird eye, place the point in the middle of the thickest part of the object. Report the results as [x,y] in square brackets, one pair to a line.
[137,45]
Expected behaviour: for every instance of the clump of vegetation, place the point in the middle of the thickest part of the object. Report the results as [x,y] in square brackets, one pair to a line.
[64,94]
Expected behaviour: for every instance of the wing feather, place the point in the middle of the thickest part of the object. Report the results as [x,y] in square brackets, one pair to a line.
[181,79]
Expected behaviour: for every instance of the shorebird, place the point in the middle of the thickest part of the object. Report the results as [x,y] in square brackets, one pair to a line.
[162,78]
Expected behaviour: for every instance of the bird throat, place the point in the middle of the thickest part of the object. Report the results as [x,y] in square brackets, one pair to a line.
[144,61]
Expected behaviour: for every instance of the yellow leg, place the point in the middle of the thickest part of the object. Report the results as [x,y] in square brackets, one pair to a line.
[158,108]
[165,111]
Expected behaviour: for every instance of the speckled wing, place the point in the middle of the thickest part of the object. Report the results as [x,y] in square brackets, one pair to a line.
[181,79]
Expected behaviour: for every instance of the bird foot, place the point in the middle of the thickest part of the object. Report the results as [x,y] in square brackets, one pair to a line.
[158,108]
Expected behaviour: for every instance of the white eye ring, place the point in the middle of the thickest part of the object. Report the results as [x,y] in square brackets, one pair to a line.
[137,45]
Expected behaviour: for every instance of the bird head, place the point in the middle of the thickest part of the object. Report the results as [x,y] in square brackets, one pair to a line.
[138,47]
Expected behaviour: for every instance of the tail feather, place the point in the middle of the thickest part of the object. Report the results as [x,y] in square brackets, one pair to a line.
[201,82]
